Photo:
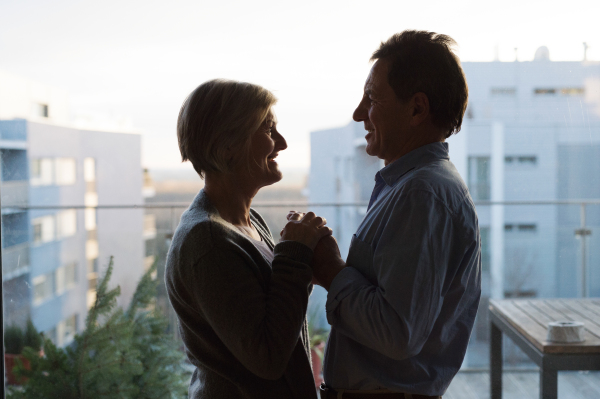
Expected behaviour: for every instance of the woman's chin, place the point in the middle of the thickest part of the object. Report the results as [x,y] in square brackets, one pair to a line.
[277,177]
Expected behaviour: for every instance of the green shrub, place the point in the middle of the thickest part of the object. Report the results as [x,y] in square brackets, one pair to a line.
[120,354]
[14,340]
[33,339]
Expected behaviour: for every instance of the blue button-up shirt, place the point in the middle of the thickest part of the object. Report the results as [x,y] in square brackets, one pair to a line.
[403,310]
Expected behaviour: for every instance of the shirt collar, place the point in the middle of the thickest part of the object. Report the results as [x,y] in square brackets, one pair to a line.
[414,159]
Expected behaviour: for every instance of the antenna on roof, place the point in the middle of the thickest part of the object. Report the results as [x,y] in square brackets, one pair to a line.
[516,54]
[585,49]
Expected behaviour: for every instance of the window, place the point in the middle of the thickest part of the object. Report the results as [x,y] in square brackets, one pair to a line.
[564,91]
[48,171]
[66,223]
[43,229]
[503,91]
[66,330]
[89,170]
[544,92]
[92,276]
[42,171]
[43,288]
[70,275]
[90,218]
[51,227]
[65,171]
[40,110]
[59,280]
[93,265]
[528,228]
[479,178]
[572,91]
[65,278]
[524,228]
[529,160]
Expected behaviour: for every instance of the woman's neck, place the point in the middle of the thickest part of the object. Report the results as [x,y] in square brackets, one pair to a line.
[231,196]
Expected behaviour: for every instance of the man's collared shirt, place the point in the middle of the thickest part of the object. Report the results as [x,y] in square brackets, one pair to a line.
[403,310]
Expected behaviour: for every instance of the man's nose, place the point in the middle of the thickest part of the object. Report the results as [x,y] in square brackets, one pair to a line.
[360,113]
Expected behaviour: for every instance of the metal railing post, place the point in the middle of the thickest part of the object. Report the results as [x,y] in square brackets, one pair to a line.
[2,393]
[582,233]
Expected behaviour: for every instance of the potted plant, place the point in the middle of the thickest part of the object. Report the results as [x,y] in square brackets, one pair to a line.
[318,338]
[15,340]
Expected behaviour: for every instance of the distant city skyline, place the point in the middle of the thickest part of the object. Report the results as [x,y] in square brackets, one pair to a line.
[139,60]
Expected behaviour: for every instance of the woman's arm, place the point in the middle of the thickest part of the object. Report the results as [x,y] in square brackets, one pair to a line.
[259,327]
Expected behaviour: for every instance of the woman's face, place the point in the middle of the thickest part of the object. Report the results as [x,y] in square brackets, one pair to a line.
[265,145]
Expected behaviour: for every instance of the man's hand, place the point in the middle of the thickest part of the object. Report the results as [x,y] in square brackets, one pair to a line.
[327,261]
[305,228]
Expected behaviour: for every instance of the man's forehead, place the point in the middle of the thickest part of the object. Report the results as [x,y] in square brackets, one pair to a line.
[377,77]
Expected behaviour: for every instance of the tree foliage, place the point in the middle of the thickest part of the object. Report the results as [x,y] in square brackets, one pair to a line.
[119,354]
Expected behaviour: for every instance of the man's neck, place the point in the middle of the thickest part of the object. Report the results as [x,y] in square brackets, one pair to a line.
[411,146]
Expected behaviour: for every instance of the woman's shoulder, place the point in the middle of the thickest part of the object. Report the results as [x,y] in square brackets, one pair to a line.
[199,231]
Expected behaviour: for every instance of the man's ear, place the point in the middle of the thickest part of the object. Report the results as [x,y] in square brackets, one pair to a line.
[420,108]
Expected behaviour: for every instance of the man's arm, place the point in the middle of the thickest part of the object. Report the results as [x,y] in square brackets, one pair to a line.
[410,262]
[327,261]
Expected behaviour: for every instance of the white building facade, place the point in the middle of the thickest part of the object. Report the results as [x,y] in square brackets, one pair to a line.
[52,257]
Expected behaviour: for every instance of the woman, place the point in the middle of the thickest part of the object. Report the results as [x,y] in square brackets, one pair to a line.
[240,299]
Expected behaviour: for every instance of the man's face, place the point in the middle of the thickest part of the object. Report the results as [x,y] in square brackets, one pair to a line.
[385,117]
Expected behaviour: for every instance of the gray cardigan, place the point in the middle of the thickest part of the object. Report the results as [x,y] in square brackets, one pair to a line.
[242,320]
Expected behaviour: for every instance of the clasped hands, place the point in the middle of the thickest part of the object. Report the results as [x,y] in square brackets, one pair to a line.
[311,230]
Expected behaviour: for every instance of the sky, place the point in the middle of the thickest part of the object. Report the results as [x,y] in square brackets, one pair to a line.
[140,59]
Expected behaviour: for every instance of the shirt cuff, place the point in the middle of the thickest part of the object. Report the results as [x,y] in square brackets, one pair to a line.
[345,282]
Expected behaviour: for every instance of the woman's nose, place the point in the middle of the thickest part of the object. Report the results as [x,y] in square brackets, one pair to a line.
[280,142]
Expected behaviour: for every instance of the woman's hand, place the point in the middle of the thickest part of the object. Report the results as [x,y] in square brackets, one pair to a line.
[305,228]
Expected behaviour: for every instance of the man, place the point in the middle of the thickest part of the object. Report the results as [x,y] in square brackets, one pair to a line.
[402,311]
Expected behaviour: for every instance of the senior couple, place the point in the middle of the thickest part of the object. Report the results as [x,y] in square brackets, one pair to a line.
[402,305]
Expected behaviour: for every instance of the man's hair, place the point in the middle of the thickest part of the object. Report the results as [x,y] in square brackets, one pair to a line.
[422,61]
[216,122]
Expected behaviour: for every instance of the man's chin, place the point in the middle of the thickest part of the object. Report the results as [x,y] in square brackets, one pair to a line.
[370,150]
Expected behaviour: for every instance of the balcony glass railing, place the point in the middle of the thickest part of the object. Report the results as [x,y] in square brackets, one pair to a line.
[50,273]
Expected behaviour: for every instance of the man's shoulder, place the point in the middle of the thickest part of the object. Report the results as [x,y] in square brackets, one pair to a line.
[438,177]
[442,182]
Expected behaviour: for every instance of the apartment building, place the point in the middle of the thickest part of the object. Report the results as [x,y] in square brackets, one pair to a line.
[59,184]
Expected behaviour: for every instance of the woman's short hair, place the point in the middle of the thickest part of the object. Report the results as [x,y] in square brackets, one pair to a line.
[423,62]
[217,120]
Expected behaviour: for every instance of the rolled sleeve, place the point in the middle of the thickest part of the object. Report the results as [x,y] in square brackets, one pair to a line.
[347,281]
